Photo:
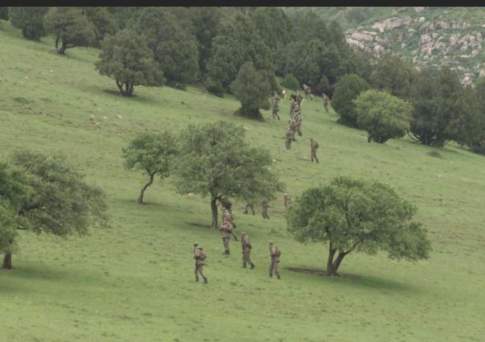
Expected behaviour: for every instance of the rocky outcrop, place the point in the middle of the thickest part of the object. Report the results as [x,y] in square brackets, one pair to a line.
[426,39]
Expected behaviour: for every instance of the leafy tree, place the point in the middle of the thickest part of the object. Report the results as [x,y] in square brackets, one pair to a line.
[291,82]
[206,22]
[216,161]
[394,75]
[435,97]
[273,26]
[471,124]
[30,20]
[382,115]
[252,90]
[58,201]
[238,43]
[174,47]
[3,13]
[8,230]
[353,215]
[346,91]
[70,27]
[103,22]
[127,58]
[151,153]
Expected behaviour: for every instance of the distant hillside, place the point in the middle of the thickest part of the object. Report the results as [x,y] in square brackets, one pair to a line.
[427,36]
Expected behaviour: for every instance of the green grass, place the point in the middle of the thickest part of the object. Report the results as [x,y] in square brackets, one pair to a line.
[134,281]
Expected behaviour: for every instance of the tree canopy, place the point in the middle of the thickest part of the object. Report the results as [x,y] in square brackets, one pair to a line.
[216,161]
[354,215]
[252,89]
[71,28]
[30,20]
[382,115]
[348,89]
[153,154]
[127,58]
[57,199]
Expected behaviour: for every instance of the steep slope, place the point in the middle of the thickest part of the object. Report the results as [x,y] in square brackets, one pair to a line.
[134,281]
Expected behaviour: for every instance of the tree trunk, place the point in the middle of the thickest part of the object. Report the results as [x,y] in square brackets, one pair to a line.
[142,192]
[62,49]
[126,88]
[214,212]
[337,262]
[331,254]
[7,261]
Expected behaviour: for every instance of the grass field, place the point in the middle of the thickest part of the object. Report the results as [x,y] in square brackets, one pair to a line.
[134,281]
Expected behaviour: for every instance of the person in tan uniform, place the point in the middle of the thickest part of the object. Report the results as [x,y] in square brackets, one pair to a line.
[313,150]
[275,254]
[246,250]
[199,257]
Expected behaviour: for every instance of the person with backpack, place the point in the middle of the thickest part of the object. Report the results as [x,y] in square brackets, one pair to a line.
[246,250]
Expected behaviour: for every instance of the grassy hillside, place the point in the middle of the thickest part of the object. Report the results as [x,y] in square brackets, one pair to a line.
[134,281]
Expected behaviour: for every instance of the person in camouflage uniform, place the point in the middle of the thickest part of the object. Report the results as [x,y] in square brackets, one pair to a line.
[326,102]
[313,150]
[227,227]
[249,206]
[274,254]
[246,251]
[199,257]
[290,135]
[308,91]
[286,200]
[298,120]
[264,209]
[293,105]
[275,103]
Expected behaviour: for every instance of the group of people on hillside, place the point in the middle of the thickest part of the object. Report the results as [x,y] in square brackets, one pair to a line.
[296,118]
[227,227]
[226,230]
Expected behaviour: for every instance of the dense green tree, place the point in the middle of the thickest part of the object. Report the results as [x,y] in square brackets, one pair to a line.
[3,13]
[174,46]
[30,20]
[237,44]
[346,91]
[59,201]
[353,215]
[70,27]
[206,22]
[273,26]
[8,232]
[103,22]
[153,154]
[435,96]
[394,75]
[216,161]
[252,89]
[470,125]
[127,58]
[382,115]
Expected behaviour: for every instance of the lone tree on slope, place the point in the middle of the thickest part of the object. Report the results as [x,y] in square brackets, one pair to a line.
[216,161]
[70,27]
[353,215]
[127,58]
[382,115]
[53,198]
[151,153]
[252,89]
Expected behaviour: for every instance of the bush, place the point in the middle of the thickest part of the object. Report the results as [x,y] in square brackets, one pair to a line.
[382,115]
[252,90]
[346,90]
[290,82]
[30,20]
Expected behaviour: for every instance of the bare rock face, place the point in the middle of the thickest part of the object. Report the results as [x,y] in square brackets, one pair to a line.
[437,41]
